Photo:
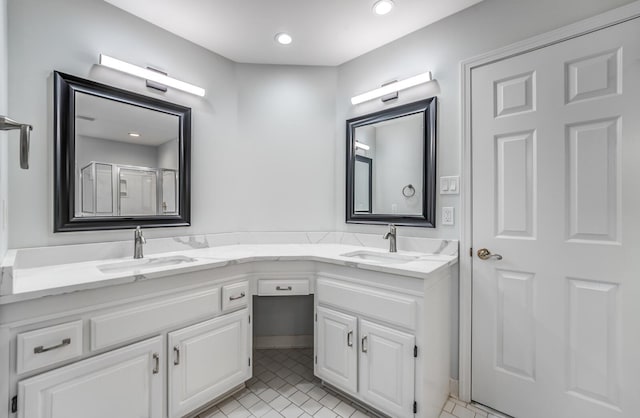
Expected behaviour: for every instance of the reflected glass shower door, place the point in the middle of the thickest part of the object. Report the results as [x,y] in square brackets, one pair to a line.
[137,192]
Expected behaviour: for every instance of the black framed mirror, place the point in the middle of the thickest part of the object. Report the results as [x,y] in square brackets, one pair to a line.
[391,166]
[121,159]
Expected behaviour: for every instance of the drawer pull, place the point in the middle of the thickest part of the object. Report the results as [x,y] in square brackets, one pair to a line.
[156,359]
[237,297]
[40,349]
[288,288]
[350,339]
[176,351]
[364,346]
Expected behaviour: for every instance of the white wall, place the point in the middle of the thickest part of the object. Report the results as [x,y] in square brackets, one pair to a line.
[263,138]
[168,155]
[4,182]
[97,149]
[440,48]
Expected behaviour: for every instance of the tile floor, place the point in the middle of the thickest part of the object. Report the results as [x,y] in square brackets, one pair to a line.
[283,385]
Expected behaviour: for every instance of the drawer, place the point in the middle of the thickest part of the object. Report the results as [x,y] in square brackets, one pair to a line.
[277,287]
[374,303]
[143,320]
[234,295]
[47,346]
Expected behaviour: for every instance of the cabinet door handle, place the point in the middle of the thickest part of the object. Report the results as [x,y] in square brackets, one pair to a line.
[288,288]
[176,351]
[237,297]
[41,349]
[364,344]
[156,359]
[350,339]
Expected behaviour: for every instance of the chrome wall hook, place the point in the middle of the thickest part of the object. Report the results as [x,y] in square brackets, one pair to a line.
[7,124]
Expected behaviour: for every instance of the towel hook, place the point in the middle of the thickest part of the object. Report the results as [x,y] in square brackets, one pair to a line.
[7,124]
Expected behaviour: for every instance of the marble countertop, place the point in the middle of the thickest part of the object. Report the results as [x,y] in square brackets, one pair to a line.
[40,281]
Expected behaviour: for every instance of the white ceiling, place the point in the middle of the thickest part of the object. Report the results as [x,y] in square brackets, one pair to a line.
[97,117]
[325,32]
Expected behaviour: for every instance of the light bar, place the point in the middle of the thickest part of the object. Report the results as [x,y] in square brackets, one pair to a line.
[134,70]
[363,146]
[391,88]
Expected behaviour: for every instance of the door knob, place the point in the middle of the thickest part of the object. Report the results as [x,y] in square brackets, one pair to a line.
[485,254]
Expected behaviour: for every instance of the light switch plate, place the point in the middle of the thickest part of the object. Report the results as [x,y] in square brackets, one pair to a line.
[449,185]
[447,216]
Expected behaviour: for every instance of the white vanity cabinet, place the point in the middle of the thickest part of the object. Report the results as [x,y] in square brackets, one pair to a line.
[372,360]
[207,360]
[337,348]
[366,359]
[124,383]
[387,368]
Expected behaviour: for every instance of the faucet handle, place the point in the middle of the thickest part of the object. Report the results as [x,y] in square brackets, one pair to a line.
[137,234]
[392,228]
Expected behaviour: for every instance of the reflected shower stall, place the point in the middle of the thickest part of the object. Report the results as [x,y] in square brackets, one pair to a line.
[123,190]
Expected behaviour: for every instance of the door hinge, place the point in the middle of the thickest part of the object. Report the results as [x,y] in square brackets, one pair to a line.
[315,359]
[249,318]
[14,404]
[249,361]
[471,252]
[415,407]
[415,351]
[316,317]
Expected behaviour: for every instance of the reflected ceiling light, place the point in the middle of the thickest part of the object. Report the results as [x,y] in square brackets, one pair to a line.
[392,87]
[363,146]
[283,38]
[147,74]
[382,7]
[134,134]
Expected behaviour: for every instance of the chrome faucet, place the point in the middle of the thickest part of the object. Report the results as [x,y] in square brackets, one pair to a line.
[391,236]
[138,241]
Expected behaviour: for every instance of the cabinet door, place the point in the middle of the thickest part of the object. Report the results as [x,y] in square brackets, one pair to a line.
[124,383]
[387,369]
[337,349]
[206,360]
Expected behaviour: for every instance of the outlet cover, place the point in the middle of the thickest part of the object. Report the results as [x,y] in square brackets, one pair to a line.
[447,216]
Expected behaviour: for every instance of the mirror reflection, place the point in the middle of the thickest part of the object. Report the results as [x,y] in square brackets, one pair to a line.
[126,159]
[389,158]
[391,166]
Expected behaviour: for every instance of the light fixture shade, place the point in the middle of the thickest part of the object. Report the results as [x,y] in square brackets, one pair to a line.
[392,87]
[362,145]
[134,70]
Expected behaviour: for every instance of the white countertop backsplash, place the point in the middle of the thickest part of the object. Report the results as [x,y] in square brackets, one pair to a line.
[37,272]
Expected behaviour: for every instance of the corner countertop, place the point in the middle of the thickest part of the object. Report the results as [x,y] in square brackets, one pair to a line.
[36,282]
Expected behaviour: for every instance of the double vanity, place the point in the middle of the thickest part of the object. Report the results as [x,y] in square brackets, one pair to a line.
[169,334]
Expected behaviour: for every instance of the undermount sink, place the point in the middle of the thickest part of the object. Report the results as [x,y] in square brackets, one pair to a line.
[145,263]
[379,257]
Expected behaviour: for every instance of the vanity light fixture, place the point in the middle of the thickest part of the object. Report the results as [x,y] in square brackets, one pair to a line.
[392,87]
[283,38]
[362,146]
[382,7]
[147,74]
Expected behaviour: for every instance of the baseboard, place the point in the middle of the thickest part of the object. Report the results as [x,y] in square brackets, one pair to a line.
[283,341]
[454,387]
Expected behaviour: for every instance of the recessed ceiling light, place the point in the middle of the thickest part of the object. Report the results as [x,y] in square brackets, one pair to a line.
[382,7]
[134,134]
[283,38]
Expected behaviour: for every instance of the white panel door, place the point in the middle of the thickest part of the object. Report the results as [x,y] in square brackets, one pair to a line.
[387,369]
[206,360]
[336,349]
[124,383]
[556,180]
